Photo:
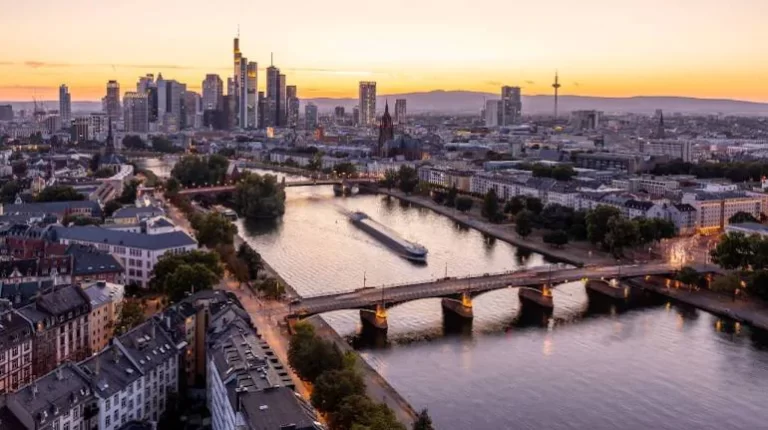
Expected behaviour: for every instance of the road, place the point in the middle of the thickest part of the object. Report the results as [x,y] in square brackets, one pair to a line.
[444,287]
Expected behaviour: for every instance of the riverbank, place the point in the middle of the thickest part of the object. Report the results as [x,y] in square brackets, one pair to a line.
[574,253]
[377,387]
[749,312]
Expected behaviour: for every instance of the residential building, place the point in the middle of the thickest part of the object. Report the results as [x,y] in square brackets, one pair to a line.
[132,378]
[367,104]
[135,113]
[60,321]
[60,210]
[446,178]
[15,349]
[92,264]
[137,252]
[22,280]
[684,217]
[492,113]
[607,161]
[714,209]
[511,105]
[674,149]
[106,301]
[310,116]
[401,111]
[61,399]
[133,214]
[65,107]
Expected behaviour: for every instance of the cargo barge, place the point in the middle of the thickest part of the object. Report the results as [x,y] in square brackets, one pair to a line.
[408,250]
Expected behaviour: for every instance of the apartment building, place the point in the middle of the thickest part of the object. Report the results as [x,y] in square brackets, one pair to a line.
[137,252]
[715,209]
[15,349]
[106,300]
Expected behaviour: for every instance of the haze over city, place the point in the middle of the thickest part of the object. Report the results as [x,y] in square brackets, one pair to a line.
[602,48]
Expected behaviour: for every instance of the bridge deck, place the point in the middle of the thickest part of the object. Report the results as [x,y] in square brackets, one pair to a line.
[476,284]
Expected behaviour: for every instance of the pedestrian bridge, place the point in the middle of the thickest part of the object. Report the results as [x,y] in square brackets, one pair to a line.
[534,285]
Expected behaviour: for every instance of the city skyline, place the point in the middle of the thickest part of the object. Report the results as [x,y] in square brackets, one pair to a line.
[696,49]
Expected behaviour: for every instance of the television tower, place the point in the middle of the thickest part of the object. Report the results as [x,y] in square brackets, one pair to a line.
[556,86]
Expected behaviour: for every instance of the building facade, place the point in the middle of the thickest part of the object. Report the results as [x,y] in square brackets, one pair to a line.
[135,112]
[213,92]
[65,107]
[112,101]
[367,104]
[511,105]
[16,342]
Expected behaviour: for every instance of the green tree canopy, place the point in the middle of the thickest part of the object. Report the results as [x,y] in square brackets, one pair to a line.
[423,421]
[450,198]
[407,179]
[557,238]
[130,192]
[9,191]
[524,223]
[310,356]
[464,203]
[490,208]
[514,205]
[259,197]
[251,258]
[196,171]
[59,193]
[188,278]
[333,386]
[167,264]
[742,217]
[390,179]
[734,251]
[597,222]
[131,315]
[688,276]
[214,229]
[622,233]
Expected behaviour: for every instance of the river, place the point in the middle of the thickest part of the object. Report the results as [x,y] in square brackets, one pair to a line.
[594,364]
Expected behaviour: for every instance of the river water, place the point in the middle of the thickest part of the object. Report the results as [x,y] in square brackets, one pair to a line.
[592,364]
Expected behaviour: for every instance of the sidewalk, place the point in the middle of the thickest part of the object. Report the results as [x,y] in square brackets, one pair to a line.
[752,312]
[578,254]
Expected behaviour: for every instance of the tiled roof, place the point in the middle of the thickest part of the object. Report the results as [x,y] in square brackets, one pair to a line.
[94,234]
[90,261]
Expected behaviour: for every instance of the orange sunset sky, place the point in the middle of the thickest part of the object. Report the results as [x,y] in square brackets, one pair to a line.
[699,48]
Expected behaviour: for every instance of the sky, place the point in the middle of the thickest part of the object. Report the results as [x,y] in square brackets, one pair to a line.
[617,48]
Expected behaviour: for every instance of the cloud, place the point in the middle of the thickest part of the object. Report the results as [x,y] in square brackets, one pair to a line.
[493,83]
[576,84]
[39,64]
[330,71]
[530,82]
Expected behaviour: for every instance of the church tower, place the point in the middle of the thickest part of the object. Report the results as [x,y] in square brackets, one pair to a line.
[386,131]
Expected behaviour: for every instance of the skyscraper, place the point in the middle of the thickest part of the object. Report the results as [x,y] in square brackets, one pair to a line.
[239,78]
[169,101]
[511,105]
[112,100]
[367,103]
[65,107]
[145,83]
[262,101]
[338,114]
[242,94]
[272,115]
[400,111]
[136,112]
[190,110]
[492,113]
[252,109]
[282,106]
[310,116]
[292,106]
[213,91]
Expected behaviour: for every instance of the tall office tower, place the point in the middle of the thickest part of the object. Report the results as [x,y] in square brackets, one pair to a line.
[356,115]
[367,104]
[152,103]
[112,101]
[190,110]
[492,113]
[272,115]
[213,91]
[6,113]
[400,111]
[262,102]
[228,111]
[239,76]
[136,112]
[65,107]
[242,94]
[145,83]
[231,87]
[292,106]
[171,105]
[253,95]
[511,105]
[282,106]
[161,96]
[310,116]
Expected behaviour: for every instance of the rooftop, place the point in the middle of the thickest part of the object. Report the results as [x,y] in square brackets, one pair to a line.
[277,408]
[133,212]
[95,234]
[101,292]
[53,393]
[90,261]
[110,372]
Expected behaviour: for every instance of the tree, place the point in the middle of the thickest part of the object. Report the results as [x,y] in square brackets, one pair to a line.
[725,284]
[423,421]
[167,264]
[19,169]
[647,230]
[104,172]
[450,198]
[345,169]
[172,187]
[742,217]
[259,197]
[252,260]
[161,144]
[213,230]
[333,386]
[621,233]
[58,193]
[597,222]
[9,191]
[93,164]
[272,288]
[111,207]
[227,152]
[188,278]
[524,223]
[563,173]
[131,315]
[407,179]
[514,205]
[734,251]
[688,276]
[758,284]
[578,228]
[134,142]
[464,203]
[311,356]
[491,206]
[557,238]
[534,205]
[390,179]
[130,192]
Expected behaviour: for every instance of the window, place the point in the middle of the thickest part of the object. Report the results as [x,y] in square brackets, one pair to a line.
[107,421]
[66,426]
[107,405]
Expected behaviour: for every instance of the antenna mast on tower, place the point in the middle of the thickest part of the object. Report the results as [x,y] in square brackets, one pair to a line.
[556,86]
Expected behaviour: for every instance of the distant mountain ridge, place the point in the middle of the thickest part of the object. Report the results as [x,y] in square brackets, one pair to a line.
[472,102]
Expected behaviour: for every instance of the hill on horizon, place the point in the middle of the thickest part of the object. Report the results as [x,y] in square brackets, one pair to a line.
[472,102]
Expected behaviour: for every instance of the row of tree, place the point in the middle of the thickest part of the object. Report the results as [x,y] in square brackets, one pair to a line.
[195,171]
[452,199]
[159,144]
[338,388]
[406,178]
[751,282]
[735,171]
[259,197]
